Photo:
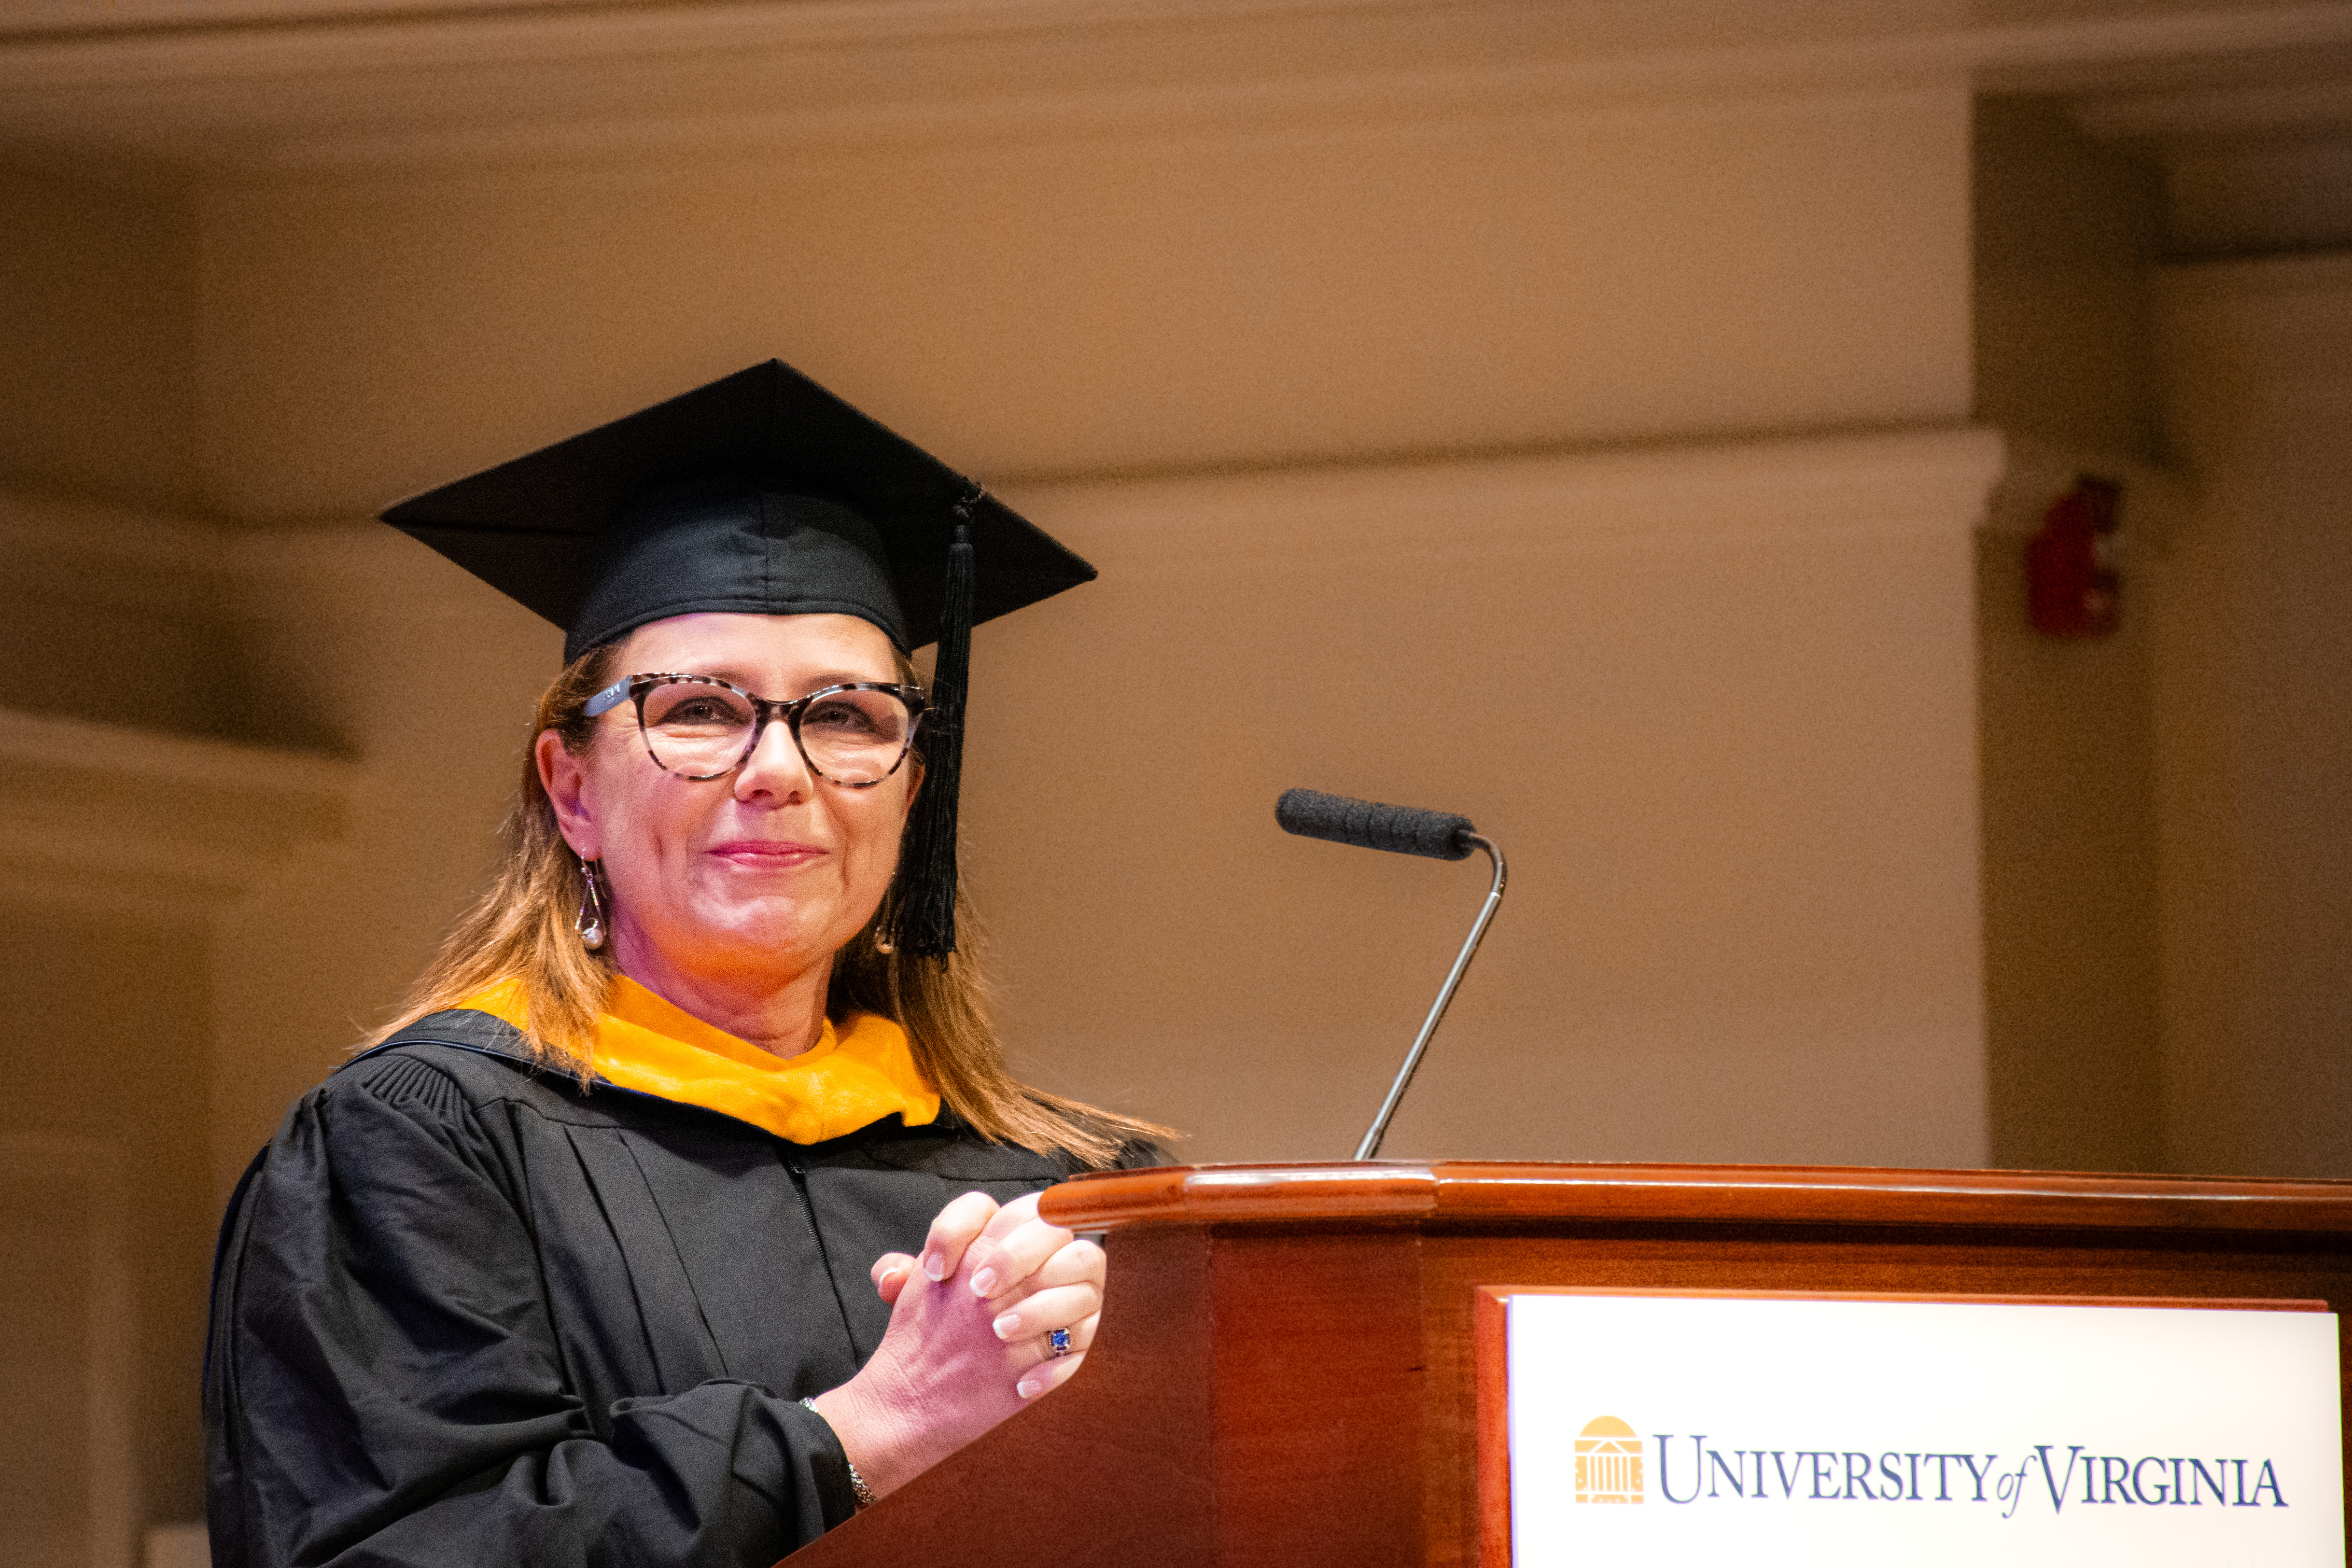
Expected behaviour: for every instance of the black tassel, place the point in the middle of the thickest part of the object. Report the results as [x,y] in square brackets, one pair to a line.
[925,911]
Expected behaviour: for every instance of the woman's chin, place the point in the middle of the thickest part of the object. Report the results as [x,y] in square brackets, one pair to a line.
[768,935]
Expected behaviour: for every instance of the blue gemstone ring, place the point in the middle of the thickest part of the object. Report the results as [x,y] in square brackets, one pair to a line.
[1060,1339]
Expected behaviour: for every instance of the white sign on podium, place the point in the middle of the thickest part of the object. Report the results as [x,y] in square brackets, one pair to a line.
[1673,1429]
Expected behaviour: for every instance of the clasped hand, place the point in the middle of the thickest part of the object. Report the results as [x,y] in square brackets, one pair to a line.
[970,1335]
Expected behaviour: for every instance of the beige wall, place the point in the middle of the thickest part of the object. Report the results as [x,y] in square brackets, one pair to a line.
[97,334]
[2253,660]
[105,1138]
[2074,1005]
[2066,363]
[2064,228]
[426,678]
[1714,704]
[1115,303]
[108,1053]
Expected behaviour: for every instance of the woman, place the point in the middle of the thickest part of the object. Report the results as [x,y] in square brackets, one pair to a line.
[690,1207]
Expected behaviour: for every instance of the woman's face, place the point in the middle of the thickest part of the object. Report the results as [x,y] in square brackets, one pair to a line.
[756,877]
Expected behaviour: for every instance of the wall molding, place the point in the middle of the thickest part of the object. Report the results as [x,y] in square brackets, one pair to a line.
[114,555]
[1705,496]
[99,813]
[103,815]
[2224,112]
[2321,274]
[331,90]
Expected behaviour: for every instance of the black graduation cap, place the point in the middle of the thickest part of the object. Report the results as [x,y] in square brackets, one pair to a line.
[763,492]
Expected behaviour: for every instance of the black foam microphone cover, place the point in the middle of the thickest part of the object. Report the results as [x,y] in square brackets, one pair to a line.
[1368,824]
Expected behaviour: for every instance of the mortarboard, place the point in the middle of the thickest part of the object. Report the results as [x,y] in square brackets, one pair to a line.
[762,492]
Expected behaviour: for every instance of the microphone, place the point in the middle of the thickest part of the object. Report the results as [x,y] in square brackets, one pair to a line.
[1403,830]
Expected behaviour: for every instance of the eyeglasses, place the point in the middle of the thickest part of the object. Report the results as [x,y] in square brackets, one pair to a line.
[702,728]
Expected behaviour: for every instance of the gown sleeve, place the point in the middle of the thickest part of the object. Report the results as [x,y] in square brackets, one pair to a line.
[384,1384]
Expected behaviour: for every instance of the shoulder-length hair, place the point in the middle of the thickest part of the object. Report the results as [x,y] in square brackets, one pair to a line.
[522,930]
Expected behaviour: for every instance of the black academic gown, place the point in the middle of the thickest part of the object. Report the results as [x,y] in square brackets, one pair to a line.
[464,1314]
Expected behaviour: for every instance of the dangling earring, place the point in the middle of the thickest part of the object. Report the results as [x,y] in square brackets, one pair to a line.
[882,943]
[591,923]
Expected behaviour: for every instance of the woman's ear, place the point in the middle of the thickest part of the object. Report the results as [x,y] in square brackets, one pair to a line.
[566,782]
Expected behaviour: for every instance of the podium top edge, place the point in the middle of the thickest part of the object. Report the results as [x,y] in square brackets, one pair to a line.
[1474,1192]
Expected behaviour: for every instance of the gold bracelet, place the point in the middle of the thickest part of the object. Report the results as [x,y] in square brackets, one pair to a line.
[858,1486]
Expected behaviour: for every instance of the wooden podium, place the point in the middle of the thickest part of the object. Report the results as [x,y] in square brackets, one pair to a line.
[1284,1374]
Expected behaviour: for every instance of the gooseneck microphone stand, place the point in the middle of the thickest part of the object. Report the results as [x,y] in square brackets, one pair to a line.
[1405,830]
[1370,1148]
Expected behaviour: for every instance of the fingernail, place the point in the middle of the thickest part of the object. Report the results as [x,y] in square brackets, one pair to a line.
[984,1282]
[1007,1325]
[1028,1388]
[935,1264]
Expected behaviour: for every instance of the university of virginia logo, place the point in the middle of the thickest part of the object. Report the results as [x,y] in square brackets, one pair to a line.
[1608,1462]
[1717,1473]
[1608,1457]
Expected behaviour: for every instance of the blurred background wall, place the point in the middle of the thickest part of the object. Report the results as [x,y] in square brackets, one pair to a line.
[1620,423]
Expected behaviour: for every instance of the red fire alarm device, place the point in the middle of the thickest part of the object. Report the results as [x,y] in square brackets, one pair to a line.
[2071,587]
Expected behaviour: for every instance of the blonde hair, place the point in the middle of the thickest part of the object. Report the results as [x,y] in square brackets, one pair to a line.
[522,930]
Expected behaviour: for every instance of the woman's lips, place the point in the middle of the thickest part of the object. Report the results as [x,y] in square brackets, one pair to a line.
[767,853]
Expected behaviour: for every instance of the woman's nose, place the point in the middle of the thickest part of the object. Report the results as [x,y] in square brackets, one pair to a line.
[775,767]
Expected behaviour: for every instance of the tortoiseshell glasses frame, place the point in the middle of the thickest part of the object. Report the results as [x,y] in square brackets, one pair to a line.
[868,751]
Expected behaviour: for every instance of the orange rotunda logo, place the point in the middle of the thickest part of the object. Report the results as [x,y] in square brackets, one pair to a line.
[1608,1462]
